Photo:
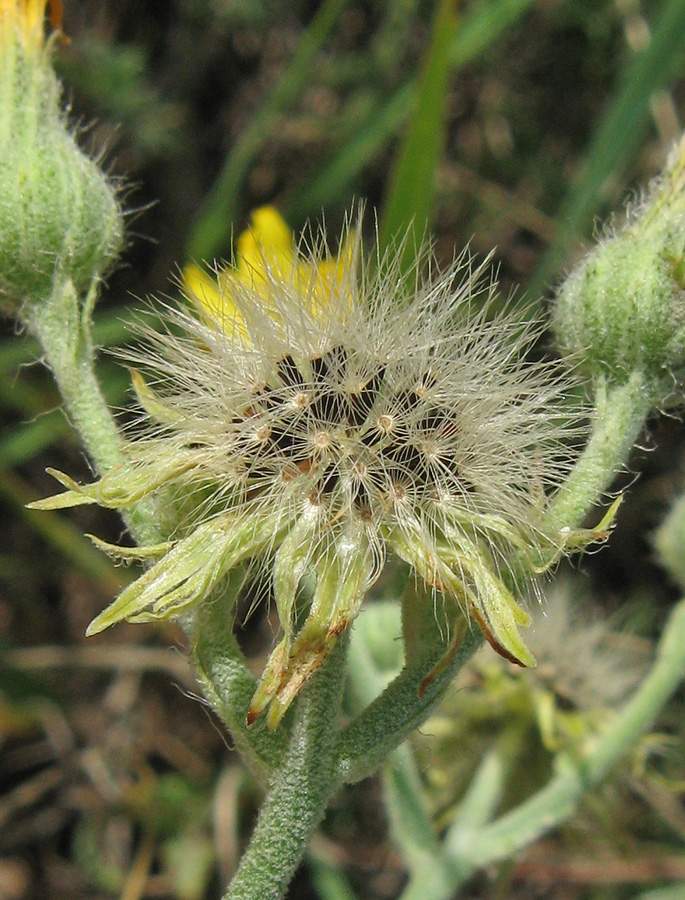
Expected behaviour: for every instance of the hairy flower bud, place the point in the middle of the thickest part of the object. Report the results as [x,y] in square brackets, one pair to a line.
[622,309]
[59,215]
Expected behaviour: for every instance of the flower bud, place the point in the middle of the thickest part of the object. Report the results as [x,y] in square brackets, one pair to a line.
[622,309]
[58,213]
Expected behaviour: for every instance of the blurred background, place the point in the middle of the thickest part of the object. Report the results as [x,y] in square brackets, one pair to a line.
[115,780]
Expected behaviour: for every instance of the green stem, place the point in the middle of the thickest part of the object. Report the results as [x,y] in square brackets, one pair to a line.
[618,419]
[391,718]
[465,850]
[556,802]
[300,789]
[410,823]
[62,325]
[433,873]
[436,877]
[229,686]
[64,335]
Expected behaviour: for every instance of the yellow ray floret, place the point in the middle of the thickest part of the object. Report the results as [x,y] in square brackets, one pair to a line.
[267,253]
[24,19]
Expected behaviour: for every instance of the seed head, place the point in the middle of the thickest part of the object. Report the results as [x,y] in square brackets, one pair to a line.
[316,413]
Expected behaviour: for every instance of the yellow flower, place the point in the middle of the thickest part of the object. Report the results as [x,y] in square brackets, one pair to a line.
[266,251]
[25,20]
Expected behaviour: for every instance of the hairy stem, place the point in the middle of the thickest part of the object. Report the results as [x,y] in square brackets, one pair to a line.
[619,416]
[62,325]
[64,335]
[229,686]
[300,789]
[391,718]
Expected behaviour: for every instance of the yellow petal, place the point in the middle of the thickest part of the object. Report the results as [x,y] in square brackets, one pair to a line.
[214,299]
[266,253]
[199,286]
[325,282]
[268,242]
[25,19]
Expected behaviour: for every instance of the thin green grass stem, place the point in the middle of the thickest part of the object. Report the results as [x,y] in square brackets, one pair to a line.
[212,231]
[409,202]
[410,822]
[479,28]
[329,882]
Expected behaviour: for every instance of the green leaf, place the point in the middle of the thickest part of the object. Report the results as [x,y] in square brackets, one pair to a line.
[412,185]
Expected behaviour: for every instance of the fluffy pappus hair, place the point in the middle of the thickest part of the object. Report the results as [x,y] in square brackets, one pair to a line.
[318,412]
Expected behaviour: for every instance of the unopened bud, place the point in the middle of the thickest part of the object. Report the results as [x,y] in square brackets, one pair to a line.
[622,309]
[59,215]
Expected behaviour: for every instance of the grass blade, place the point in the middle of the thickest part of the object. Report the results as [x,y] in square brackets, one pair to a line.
[618,135]
[412,184]
[479,29]
[63,535]
[212,230]
[27,441]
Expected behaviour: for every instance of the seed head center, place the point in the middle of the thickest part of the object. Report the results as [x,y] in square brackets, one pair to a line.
[322,440]
[300,400]
[398,492]
[385,423]
[262,434]
[430,449]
